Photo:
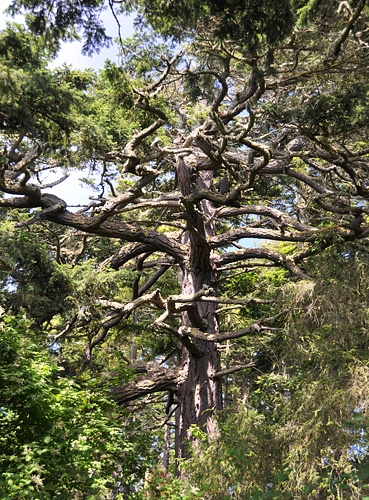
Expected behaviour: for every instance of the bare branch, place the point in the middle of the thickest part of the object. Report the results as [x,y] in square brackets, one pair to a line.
[254,328]
[335,50]
[54,183]
[153,297]
[235,369]
[186,302]
[280,217]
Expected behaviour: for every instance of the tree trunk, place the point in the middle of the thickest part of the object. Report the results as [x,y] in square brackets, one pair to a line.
[198,394]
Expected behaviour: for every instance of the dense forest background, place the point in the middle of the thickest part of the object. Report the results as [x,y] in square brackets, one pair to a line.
[199,328]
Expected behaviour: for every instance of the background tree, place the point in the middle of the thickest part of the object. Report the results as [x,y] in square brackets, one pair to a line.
[201,149]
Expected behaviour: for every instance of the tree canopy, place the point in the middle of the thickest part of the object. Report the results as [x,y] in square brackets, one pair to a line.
[199,328]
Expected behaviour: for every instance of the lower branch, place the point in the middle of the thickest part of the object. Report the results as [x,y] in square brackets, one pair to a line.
[257,326]
[155,379]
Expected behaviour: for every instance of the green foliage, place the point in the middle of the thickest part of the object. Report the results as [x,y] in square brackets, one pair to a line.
[59,437]
[21,49]
[296,424]
[337,107]
[306,11]
[34,101]
[243,459]
[32,282]
[319,12]
[108,116]
[246,21]
[57,21]
[72,114]
[142,54]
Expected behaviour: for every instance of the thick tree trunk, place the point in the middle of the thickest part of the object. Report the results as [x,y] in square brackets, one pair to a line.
[198,394]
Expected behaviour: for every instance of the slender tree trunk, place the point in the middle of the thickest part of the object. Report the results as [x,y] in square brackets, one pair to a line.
[166,452]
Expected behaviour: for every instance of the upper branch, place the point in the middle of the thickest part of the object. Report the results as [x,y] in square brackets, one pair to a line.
[336,48]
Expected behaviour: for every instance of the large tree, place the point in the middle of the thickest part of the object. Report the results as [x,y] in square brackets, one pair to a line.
[232,134]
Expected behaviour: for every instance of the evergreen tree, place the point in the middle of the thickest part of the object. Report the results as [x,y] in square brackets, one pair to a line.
[252,129]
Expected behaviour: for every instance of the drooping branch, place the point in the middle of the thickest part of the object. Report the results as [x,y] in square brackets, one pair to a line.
[113,320]
[121,311]
[126,253]
[286,261]
[69,326]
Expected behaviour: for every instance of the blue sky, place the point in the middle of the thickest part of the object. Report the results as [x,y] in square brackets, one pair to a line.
[71,52]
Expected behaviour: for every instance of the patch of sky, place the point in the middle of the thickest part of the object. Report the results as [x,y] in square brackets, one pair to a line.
[71,52]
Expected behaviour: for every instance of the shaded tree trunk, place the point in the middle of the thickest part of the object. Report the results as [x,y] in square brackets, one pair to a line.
[198,394]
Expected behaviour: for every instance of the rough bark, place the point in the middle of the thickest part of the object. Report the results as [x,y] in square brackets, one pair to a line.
[198,394]
[154,379]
